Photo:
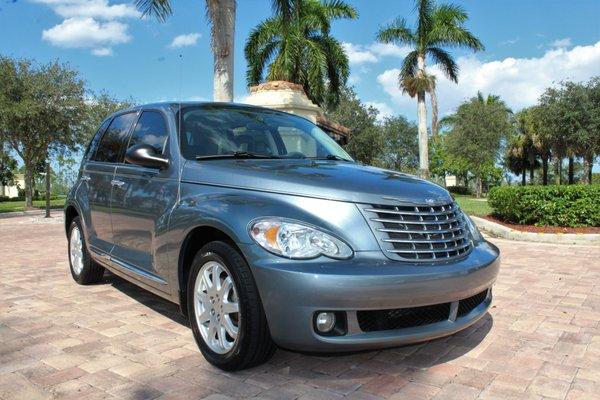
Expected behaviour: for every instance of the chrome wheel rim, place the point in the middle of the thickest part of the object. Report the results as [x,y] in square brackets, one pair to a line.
[76,251]
[216,307]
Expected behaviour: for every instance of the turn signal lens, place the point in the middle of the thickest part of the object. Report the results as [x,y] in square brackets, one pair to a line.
[294,239]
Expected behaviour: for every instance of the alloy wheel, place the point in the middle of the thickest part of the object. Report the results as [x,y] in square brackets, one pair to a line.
[216,307]
[76,251]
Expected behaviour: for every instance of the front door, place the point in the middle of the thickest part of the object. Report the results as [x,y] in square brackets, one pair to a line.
[141,200]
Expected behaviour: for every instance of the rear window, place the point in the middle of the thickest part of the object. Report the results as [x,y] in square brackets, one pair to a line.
[91,149]
[112,142]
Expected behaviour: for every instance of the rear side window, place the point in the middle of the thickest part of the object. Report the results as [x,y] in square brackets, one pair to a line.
[109,149]
[150,129]
[94,142]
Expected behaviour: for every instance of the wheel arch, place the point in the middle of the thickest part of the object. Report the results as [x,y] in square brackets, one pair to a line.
[70,213]
[193,242]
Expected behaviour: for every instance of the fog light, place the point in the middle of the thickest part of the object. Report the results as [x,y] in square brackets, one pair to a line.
[325,322]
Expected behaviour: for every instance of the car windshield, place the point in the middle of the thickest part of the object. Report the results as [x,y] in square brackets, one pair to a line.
[212,132]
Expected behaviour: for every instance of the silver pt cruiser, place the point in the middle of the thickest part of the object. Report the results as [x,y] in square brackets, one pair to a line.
[267,233]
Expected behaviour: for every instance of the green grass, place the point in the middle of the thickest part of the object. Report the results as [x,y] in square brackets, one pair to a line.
[10,206]
[473,206]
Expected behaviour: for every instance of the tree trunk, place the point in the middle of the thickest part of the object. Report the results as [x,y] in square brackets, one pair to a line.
[422,116]
[479,184]
[222,17]
[47,189]
[523,176]
[28,186]
[531,175]
[556,161]
[544,170]
[589,165]
[434,112]
[571,170]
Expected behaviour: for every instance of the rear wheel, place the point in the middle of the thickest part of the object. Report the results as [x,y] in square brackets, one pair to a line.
[225,310]
[84,270]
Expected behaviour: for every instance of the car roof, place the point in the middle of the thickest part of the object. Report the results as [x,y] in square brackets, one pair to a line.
[174,106]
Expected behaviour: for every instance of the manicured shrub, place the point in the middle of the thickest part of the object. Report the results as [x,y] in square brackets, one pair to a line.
[554,205]
[461,190]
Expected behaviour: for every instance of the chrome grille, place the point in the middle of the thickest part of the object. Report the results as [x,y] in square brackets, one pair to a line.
[420,233]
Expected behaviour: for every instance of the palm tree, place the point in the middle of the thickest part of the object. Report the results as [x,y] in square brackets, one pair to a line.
[221,15]
[295,45]
[437,26]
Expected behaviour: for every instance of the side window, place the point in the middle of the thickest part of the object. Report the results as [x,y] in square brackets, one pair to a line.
[109,149]
[150,129]
[91,149]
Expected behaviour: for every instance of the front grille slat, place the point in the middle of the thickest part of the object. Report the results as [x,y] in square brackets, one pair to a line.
[403,222]
[446,249]
[421,233]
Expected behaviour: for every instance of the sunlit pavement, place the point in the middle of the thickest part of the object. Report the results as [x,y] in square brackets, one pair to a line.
[541,339]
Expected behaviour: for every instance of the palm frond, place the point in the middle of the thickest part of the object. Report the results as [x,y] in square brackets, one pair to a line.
[447,29]
[159,9]
[409,65]
[445,62]
[285,8]
[424,10]
[396,32]
[339,9]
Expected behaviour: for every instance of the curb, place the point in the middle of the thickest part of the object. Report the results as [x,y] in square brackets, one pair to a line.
[501,231]
[14,214]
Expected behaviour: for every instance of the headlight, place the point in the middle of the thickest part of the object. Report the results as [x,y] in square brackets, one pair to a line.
[293,239]
[475,234]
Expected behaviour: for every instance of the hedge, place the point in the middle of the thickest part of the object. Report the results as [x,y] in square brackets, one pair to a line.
[554,205]
[460,190]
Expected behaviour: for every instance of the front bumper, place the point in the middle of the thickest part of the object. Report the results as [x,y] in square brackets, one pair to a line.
[293,291]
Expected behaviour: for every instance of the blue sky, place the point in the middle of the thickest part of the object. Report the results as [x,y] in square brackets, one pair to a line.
[529,45]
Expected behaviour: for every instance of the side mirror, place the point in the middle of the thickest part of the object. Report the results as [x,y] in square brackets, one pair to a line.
[145,155]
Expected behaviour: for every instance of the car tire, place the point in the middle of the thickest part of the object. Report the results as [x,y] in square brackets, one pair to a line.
[84,270]
[219,262]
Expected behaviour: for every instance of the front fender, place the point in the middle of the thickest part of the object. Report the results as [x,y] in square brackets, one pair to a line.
[230,210]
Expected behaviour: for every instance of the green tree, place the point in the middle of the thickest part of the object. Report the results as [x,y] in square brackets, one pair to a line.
[400,150]
[7,166]
[295,45]
[437,26]
[221,16]
[366,142]
[474,141]
[42,108]
[97,109]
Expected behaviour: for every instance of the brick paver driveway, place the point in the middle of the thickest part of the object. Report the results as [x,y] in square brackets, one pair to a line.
[541,339]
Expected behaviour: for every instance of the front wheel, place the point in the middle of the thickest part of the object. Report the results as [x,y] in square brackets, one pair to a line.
[225,310]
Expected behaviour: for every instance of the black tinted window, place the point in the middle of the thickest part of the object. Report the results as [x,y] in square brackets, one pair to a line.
[94,142]
[150,129]
[112,142]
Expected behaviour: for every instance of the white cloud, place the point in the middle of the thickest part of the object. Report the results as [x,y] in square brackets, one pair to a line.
[189,39]
[357,55]
[372,53]
[559,43]
[92,24]
[86,33]
[385,111]
[92,8]
[510,42]
[102,51]
[518,81]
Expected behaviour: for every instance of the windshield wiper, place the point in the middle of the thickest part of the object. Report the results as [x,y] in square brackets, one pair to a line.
[237,154]
[331,157]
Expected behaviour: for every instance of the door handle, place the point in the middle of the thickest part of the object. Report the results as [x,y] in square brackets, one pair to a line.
[117,183]
[85,178]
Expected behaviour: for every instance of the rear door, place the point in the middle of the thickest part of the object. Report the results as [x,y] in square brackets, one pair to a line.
[141,200]
[99,173]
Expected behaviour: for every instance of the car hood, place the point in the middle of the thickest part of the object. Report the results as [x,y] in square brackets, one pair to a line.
[334,180]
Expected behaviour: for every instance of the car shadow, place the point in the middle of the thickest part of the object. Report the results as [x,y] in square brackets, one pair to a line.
[142,296]
[415,358]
